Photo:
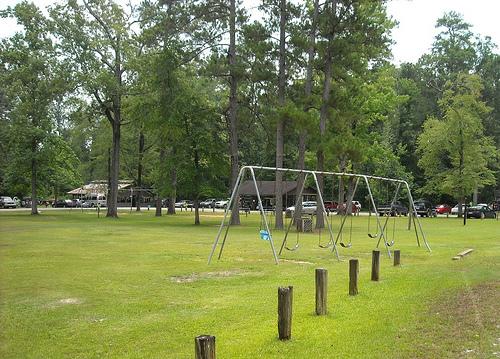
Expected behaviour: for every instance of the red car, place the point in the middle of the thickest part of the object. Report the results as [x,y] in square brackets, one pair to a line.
[443,209]
[331,206]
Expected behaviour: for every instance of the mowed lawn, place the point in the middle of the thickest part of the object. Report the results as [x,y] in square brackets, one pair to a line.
[75,286]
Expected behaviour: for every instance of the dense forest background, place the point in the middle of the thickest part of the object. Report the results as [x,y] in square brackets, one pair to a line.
[177,95]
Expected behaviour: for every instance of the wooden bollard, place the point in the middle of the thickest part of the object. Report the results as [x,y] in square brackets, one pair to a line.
[353,276]
[321,291]
[375,265]
[204,346]
[397,257]
[285,297]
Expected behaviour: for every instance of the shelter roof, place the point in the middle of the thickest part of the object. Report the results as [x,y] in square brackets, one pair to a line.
[99,187]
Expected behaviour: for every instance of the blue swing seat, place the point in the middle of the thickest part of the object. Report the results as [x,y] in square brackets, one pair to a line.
[264,235]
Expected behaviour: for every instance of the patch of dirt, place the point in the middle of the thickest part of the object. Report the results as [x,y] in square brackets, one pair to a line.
[198,276]
[296,262]
[65,301]
[70,301]
[465,325]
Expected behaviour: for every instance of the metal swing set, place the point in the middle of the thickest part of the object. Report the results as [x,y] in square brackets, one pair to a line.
[334,240]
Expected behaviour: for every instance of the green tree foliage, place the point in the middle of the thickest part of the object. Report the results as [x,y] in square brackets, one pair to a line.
[97,40]
[33,85]
[456,51]
[456,156]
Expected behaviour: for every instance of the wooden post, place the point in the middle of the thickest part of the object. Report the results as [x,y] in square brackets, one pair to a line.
[285,296]
[397,257]
[375,265]
[353,276]
[321,291]
[204,346]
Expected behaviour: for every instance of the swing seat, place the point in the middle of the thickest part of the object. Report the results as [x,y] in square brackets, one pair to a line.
[264,235]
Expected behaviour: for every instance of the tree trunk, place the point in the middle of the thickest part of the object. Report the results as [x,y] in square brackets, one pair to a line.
[173,186]
[196,205]
[308,92]
[173,193]
[116,121]
[115,168]
[323,115]
[198,179]
[108,197]
[461,171]
[301,178]
[233,107]
[350,195]
[34,200]
[280,126]
[138,196]
[158,206]
[341,198]
[56,193]
[320,156]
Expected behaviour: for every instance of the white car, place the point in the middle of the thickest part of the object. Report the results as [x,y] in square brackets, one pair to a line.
[454,210]
[7,202]
[208,203]
[308,207]
[184,204]
[222,203]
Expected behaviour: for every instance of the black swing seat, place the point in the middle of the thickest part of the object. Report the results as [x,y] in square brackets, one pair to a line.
[348,245]
[372,235]
[294,247]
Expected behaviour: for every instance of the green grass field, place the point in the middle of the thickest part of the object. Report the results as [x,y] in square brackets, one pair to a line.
[74,286]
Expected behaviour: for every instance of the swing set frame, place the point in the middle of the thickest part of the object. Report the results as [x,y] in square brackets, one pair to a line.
[412,213]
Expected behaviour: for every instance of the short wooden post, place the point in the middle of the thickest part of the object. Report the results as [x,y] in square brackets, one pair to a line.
[285,297]
[397,257]
[375,265]
[353,276]
[321,291]
[204,346]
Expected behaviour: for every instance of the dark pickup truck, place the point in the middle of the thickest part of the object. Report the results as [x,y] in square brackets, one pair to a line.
[398,209]
[424,208]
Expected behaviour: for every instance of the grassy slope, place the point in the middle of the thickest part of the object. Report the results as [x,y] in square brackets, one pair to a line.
[143,289]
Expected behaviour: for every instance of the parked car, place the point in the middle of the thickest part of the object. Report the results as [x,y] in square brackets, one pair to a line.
[454,210]
[443,209]
[331,206]
[7,202]
[183,204]
[397,209]
[308,207]
[96,201]
[221,203]
[64,203]
[481,211]
[208,203]
[424,208]
[355,207]
[86,204]
[17,201]
[26,202]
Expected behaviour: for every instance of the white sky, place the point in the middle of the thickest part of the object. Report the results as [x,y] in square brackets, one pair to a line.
[417,18]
